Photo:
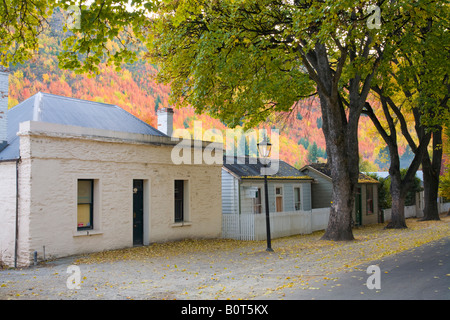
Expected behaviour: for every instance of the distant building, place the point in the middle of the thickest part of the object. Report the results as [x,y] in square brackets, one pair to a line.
[366,209]
[243,188]
[243,199]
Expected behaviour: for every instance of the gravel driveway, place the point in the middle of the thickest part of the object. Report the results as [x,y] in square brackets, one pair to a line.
[213,269]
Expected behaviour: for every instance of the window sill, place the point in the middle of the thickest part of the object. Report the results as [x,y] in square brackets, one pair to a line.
[87,233]
[181,224]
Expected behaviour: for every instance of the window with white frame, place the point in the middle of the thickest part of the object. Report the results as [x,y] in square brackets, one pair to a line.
[85,208]
[297,199]
[257,203]
[179,196]
[181,201]
[279,199]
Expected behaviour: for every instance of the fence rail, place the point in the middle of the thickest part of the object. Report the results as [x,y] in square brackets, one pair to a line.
[283,224]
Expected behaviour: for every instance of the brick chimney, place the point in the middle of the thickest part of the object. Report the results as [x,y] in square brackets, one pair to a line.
[4,87]
[165,120]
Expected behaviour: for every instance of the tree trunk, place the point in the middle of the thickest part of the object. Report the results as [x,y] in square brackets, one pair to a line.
[430,210]
[399,185]
[341,137]
[431,171]
[342,150]
[340,222]
[398,203]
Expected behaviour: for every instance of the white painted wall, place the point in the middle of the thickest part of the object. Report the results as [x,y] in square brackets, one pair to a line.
[7,210]
[54,157]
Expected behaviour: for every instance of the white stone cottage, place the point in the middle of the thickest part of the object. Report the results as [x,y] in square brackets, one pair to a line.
[79,176]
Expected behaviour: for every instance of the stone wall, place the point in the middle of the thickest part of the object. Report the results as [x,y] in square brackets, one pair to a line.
[56,156]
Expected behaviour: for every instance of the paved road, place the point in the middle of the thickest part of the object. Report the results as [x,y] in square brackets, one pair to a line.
[419,274]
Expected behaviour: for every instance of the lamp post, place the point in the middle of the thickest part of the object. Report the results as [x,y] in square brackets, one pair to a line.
[264,148]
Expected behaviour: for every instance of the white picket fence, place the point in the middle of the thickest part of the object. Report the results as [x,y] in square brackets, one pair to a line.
[444,207]
[282,224]
[416,211]
[410,211]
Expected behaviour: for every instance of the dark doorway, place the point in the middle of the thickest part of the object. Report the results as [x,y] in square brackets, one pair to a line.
[179,200]
[138,212]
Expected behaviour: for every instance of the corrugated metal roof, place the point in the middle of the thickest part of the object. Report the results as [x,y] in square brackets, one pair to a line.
[251,169]
[325,169]
[52,108]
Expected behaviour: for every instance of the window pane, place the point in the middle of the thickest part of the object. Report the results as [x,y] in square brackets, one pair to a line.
[279,204]
[257,208]
[258,196]
[179,200]
[297,202]
[369,199]
[84,191]
[85,204]
[84,215]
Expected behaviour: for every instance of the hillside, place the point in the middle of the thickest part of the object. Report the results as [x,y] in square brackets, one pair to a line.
[135,90]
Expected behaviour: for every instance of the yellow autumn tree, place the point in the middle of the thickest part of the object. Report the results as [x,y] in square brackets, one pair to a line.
[444,185]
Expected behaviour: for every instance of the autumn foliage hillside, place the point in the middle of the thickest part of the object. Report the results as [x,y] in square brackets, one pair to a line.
[134,89]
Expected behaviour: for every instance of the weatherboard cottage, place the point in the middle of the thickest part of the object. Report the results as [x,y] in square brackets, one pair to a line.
[289,195]
[366,208]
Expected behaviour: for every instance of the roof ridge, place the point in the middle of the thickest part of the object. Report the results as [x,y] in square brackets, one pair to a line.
[105,105]
[79,99]
[249,157]
[133,116]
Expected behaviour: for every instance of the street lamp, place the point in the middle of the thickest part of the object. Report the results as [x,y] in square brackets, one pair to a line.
[264,148]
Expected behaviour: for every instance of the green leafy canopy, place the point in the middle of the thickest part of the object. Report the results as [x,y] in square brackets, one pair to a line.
[244,59]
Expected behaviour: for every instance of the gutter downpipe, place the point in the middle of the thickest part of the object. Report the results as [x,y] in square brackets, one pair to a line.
[16,240]
[239,206]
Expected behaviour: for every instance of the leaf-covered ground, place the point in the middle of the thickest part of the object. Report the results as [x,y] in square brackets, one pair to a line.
[216,269]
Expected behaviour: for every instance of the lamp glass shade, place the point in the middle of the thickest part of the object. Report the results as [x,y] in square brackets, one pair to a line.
[264,148]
